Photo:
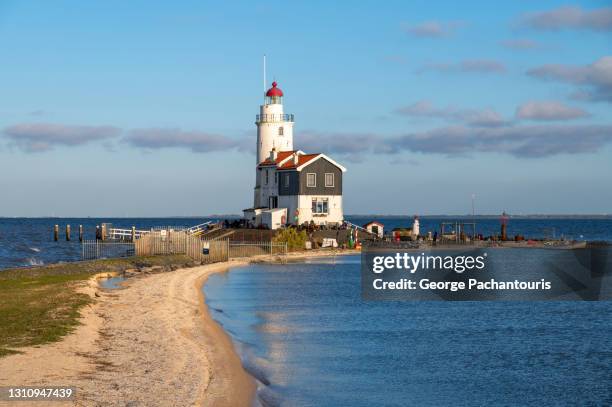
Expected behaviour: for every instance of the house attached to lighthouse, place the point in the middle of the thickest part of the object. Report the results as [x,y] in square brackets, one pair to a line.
[291,187]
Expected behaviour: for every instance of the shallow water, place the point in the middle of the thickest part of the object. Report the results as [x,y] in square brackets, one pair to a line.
[305,333]
[112,283]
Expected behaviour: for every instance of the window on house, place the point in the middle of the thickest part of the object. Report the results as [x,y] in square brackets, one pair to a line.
[286,180]
[311,180]
[329,179]
[281,131]
[320,206]
[275,178]
[267,176]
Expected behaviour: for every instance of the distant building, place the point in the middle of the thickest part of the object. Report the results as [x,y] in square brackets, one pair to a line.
[407,233]
[375,228]
[290,185]
[401,234]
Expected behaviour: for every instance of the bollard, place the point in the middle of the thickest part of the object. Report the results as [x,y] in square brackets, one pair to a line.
[97,232]
[67,233]
[133,233]
[80,233]
[56,233]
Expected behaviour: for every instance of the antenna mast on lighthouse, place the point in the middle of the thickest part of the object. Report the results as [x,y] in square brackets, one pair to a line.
[264,77]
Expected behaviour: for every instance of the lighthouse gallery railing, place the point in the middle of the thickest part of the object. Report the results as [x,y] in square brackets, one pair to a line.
[268,118]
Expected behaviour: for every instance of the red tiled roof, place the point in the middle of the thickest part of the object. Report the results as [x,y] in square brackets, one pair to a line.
[302,159]
[288,163]
[279,157]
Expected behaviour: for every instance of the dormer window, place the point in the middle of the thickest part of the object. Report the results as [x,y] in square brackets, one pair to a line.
[281,131]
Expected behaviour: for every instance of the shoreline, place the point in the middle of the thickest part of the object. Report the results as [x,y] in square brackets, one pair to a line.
[150,343]
[226,371]
[156,329]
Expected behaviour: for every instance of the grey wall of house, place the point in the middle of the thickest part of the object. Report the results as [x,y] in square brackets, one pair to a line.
[297,180]
[294,183]
[320,167]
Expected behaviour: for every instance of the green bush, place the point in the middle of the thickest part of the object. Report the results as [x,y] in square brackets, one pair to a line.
[295,240]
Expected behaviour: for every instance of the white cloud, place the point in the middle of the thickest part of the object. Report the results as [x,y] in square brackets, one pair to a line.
[432,29]
[570,17]
[38,137]
[519,141]
[548,110]
[468,65]
[473,117]
[595,78]
[520,44]
[196,141]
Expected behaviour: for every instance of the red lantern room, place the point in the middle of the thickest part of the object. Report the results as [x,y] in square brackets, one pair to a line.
[274,95]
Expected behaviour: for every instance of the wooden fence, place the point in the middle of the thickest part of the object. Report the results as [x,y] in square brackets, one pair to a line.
[209,251]
[165,242]
[179,242]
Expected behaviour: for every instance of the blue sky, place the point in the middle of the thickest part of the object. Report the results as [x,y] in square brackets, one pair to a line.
[147,108]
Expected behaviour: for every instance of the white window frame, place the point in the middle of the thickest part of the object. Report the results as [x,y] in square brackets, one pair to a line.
[314,184]
[319,203]
[333,180]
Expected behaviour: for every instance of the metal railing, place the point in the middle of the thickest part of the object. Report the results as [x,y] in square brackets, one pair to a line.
[124,234]
[270,118]
[97,249]
[129,234]
[250,249]
[172,228]
[199,229]
[353,226]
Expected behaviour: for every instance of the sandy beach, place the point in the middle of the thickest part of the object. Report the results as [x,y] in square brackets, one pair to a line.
[150,344]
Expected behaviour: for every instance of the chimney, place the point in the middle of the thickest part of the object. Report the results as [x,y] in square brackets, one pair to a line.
[273,155]
[296,159]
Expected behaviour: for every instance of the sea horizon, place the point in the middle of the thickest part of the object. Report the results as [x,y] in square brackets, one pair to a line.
[390,216]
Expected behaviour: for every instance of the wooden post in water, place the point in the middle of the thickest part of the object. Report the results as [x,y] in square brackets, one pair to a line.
[56,233]
[133,233]
[80,233]
[67,233]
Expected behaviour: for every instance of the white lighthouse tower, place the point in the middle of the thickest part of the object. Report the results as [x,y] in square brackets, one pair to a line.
[274,127]
[274,135]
